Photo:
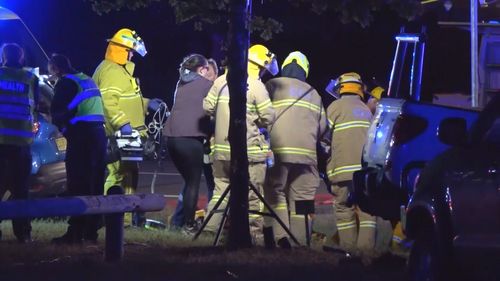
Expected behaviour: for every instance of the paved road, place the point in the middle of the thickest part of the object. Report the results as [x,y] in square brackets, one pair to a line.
[169,182]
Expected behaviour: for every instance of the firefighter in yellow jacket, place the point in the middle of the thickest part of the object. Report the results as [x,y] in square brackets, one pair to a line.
[350,118]
[260,114]
[124,106]
[295,173]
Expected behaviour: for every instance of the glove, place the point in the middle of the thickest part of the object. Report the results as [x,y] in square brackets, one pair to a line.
[154,104]
[126,130]
[264,132]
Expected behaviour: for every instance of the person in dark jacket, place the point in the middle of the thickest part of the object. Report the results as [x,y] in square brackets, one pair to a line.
[18,99]
[77,111]
[187,128]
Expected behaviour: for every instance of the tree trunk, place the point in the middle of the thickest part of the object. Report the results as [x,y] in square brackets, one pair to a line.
[239,232]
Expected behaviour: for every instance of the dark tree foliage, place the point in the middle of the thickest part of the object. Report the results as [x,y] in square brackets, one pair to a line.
[202,12]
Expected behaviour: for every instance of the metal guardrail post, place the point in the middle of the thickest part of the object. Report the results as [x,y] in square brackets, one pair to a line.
[114,231]
[113,205]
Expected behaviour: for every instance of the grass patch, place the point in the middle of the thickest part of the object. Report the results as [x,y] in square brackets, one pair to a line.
[166,255]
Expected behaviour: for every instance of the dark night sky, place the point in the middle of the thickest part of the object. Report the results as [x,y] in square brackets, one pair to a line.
[72,28]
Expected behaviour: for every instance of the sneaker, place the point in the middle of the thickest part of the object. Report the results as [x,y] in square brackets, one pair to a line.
[155,225]
[189,230]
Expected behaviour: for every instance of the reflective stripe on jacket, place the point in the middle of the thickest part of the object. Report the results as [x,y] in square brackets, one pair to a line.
[350,118]
[300,120]
[122,99]
[87,102]
[17,90]
[260,114]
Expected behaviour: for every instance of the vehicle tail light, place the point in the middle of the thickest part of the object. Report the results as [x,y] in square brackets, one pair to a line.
[36,127]
[407,127]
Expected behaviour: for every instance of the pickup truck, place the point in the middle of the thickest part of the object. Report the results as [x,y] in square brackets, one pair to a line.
[404,135]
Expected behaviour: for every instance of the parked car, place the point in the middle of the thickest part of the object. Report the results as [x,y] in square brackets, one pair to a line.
[48,172]
[454,213]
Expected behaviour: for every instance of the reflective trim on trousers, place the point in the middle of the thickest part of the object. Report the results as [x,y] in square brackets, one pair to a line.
[344,169]
[346,225]
[216,198]
[252,150]
[294,215]
[397,239]
[294,150]
[371,224]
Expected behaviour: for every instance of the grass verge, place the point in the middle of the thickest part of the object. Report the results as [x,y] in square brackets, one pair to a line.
[164,255]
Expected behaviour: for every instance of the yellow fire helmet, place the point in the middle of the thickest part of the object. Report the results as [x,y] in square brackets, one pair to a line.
[262,57]
[299,59]
[377,92]
[350,83]
[129,39]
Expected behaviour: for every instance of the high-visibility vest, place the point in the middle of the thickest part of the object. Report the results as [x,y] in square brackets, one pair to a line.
[87,102]
[17,90]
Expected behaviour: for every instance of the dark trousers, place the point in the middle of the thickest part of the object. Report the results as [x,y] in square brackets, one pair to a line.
[187,155]
[178,216]
[15,169]
[85,168]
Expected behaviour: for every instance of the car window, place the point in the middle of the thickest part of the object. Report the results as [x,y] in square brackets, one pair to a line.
[45,97]
[486,122]
[493,134]
[14,31]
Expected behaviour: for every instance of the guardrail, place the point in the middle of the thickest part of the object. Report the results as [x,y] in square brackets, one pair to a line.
[113,205]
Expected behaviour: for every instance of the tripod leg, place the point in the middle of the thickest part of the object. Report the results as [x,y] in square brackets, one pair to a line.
[153,182]
[308,235]
[159,166]
[212,212]
[221,225]
[274,215]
